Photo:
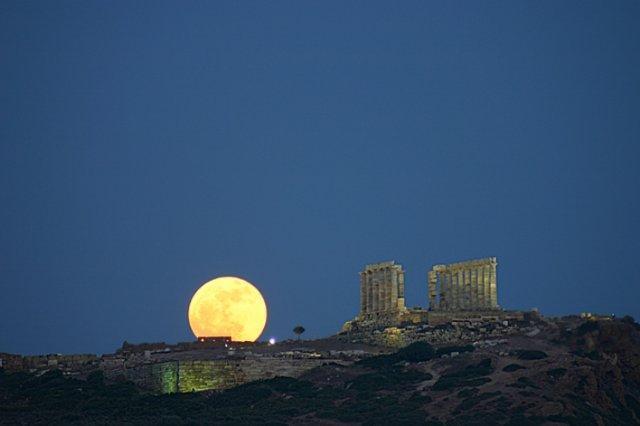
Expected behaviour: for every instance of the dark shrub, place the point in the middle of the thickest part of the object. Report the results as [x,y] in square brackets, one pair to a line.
[593,355]
[523,382]
[628,319]
[378,361]
[471,375]
[96,378]
[466,393]
[531,355]
[557,373]
[418,398]
[472,401]
[246,394]
[416,352]
[587,326]
[387,379]
[513,367]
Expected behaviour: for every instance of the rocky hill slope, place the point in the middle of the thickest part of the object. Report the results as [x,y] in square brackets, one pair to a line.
[580,372]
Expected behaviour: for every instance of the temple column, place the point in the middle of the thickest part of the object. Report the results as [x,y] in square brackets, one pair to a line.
[444,296]
[401,290]
[474,288]
[380,292]
[448,290]
[466,283]
[394,290]
[432,290]
[494,284]
[442,302]
[389,300]
[369,293]
[451,289]
[459,284]
[363,293]
[366,291]
[385,290]
[464,291]
[447,285]
[375,289]
[458,279]
[484,288]
[454,281]
[481,287]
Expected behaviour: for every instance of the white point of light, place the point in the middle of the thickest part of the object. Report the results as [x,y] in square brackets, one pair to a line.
[272,341]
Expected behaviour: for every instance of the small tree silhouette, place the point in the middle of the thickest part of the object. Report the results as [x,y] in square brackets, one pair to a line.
[298,329]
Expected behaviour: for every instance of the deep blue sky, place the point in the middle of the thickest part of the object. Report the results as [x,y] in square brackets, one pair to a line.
[147,147]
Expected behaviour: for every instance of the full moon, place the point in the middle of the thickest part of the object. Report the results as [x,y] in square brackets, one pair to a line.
[228,306]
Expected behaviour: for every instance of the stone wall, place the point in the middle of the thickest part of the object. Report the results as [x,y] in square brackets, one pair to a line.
[444,317]
[268,367]
[199,375]
[76,363]
[159,377]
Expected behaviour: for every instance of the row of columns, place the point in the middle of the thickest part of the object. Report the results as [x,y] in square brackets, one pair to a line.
[463,286]
[381,289]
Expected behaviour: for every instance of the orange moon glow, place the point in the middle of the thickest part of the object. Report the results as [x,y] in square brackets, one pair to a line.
[228,306]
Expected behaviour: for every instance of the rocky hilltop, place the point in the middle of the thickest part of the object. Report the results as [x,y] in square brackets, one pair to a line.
[571,371]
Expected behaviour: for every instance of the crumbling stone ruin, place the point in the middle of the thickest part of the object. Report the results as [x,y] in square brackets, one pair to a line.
[464,286]
[71,365]
[459,291]
[206,374]
[463,306]
[381,292]
[382,298]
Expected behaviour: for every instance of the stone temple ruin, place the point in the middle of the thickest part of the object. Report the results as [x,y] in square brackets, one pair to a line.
[382,297]
[464,286]
[458,291]
[381,291]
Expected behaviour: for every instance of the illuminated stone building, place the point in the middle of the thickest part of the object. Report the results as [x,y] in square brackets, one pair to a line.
[382,298]
[461,291]
[381,291]
[464,286]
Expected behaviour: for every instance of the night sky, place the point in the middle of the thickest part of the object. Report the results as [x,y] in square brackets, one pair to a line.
[147,147]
